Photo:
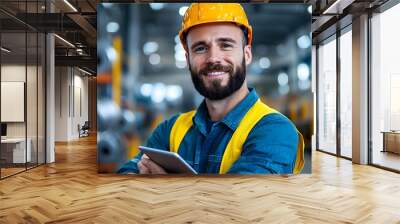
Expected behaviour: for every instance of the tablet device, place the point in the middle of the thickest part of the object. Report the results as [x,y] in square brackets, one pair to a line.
[170,161]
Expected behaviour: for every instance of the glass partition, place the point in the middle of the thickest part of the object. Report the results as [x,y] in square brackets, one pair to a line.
[345,93]
[14,153]
[31,99]
[22,77]
[327,96]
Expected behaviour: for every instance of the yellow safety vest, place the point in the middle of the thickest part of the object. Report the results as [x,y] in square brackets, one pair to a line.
[234,148]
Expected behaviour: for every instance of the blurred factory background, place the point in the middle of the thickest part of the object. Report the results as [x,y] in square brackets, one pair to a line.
[139,45]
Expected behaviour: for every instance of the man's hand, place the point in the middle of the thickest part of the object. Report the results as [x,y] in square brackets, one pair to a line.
[147,166]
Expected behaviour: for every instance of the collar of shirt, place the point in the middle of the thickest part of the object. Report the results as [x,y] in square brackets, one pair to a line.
[232,119]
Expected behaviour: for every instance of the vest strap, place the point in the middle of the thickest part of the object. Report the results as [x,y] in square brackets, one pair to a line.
[299,164]
[234,148]
[179,130]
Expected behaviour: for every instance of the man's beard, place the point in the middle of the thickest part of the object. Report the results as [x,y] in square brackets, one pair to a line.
[215,91]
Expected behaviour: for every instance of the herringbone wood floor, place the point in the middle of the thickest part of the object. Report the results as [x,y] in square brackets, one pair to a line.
[71,191]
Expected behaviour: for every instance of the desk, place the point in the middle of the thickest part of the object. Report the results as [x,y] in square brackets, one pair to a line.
[391,141]
[16,147]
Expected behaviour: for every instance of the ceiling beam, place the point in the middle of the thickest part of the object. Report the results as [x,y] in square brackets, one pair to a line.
[84,24]
[83,61]
[337,6]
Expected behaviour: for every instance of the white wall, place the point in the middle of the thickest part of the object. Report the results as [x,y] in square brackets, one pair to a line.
[61,103]
[71,93]
[33,126]
[12,101]
[16,73]
[13,73]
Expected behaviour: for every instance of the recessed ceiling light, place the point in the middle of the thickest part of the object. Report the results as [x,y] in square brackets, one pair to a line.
[5,50]
[65,41]
[71,6]
[84,71]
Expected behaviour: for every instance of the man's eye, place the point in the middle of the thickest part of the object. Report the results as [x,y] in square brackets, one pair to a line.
[226,46]
[199,49]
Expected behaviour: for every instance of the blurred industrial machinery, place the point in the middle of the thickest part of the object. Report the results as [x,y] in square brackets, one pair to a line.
[117,121]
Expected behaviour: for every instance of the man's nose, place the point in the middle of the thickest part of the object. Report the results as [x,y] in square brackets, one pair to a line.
[214,55]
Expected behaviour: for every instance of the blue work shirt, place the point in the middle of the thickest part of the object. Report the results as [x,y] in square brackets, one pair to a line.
[270,147]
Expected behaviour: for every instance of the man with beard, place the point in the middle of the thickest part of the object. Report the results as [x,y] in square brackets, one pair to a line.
[232,131]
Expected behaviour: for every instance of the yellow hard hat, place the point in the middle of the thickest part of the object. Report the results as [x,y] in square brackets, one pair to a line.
[202,13]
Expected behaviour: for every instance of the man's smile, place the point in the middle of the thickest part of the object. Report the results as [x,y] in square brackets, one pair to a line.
[216,71]
[216,74]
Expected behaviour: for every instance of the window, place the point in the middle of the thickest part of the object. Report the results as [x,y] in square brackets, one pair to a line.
[385,89]
[346,93]
[327,96]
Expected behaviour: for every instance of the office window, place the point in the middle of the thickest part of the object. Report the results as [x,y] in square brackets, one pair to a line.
[346,93]
[15,150]
[327,96]
[22,91]
[385,85]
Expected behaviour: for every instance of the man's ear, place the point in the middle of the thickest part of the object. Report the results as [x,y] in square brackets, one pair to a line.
[248,56]
[187,58]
